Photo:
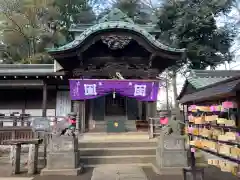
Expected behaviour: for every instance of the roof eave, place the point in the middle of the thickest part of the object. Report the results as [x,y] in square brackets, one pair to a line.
[116,26]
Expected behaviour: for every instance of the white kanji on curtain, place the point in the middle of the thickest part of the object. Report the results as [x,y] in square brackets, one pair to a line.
[139,90]
[90,89]
[76,89]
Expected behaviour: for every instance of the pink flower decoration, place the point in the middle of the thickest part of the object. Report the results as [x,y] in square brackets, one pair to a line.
[193,150]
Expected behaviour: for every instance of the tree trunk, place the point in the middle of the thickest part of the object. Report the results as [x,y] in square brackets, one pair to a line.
[174,85]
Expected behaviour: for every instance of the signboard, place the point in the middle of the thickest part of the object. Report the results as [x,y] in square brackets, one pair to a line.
[41,124]
[63,103]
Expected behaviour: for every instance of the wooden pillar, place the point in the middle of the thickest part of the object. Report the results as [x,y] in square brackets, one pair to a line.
[90,117]
[143,115]
[44,100]
[91,109]
[82,115]
[44,114]
[153,109]
[33,159]
[150,113]
[139,104]
[76,109]
[148,110]
[16,151]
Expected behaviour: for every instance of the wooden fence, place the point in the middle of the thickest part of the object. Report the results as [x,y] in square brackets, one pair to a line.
[7,133]
[20,128]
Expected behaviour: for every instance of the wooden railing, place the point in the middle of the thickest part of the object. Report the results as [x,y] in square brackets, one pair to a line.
[8,133]
[20,128]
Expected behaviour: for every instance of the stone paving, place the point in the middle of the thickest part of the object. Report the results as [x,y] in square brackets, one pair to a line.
[118,172]
[16,178]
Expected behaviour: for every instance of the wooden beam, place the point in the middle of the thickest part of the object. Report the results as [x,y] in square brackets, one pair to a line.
[151,58]
[166,55]
[117,59]
[112,72]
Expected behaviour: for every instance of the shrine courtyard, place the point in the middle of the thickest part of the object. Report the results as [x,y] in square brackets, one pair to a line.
[109,76]
[210,174]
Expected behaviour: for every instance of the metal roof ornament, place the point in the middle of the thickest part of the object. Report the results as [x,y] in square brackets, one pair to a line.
[116,15]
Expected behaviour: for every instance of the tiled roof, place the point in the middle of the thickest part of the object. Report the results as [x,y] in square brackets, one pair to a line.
[27,70]
[116,15]
[82,27]
[115,20]
[113,26]
[202,82]
[213,91]
[215,73]
[202,78]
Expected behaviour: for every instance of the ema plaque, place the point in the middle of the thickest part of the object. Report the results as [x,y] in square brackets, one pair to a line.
[41,124]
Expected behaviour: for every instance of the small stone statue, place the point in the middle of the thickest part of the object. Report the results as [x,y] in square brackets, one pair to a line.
[174,127]
[67,126]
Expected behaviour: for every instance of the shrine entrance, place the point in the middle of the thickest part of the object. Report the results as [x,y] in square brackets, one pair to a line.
[115,105]
[114,56]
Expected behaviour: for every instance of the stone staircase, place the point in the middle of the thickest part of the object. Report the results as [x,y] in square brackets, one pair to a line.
[117,149]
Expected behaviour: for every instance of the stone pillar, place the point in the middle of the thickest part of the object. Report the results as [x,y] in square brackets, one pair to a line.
[16,151]
[63,158]
[171,155]
[33,159]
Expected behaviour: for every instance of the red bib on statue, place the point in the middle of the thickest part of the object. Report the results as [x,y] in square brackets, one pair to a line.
[164,120]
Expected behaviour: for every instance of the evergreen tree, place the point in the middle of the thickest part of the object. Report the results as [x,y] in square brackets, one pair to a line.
[191,24]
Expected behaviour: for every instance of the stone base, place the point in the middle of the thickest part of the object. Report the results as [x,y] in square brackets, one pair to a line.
[170,171]
[66,172]
[63,160]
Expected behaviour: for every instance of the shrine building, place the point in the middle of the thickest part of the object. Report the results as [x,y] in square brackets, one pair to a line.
[107,73]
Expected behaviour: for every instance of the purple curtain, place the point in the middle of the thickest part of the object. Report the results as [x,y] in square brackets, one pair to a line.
[92,88]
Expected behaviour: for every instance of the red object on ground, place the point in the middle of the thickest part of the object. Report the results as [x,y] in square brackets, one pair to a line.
[164,120]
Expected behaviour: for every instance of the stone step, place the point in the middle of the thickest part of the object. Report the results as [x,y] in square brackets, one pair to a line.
[116,144]
[117,151]
[128,159]
[137,164]
[114,137]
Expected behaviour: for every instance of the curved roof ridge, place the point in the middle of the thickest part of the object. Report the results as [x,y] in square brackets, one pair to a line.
[114,25]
